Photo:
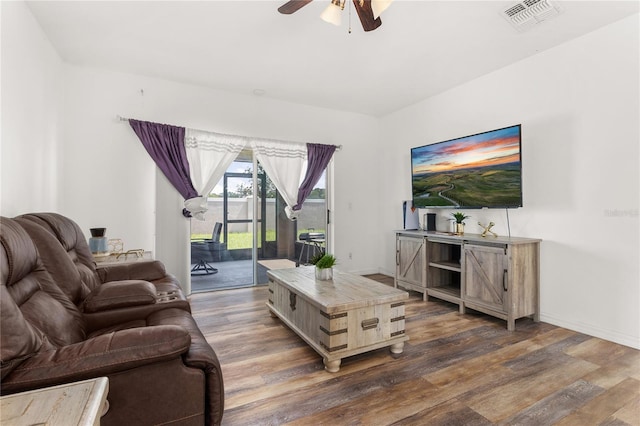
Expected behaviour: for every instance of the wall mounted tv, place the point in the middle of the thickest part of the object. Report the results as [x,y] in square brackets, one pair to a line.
[476,171]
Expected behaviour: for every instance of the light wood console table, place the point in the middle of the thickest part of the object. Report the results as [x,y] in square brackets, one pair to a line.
[499,276]
[338,318]
[78,403]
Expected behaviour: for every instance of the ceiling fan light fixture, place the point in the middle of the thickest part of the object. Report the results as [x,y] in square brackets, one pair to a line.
[379,6]
[332,14]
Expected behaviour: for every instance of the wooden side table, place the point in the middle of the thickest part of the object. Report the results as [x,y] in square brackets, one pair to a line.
[130,256]
[78,403]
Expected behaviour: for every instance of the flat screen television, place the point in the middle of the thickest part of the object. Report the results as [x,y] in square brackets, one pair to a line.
[476,171]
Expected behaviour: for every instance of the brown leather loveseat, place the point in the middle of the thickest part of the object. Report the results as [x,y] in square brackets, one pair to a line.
[63,320]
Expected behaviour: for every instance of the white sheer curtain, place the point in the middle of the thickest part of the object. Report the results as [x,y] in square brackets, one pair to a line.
[285,163]
[209,155]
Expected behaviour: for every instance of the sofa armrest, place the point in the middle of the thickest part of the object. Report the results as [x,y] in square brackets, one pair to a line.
[99,356]
[147,270]
[120,294]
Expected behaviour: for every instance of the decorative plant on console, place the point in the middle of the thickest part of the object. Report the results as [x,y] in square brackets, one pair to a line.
[459,217]
[324,266]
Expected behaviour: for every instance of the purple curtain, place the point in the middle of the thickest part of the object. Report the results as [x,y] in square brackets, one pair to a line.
[165,144]
[318,157]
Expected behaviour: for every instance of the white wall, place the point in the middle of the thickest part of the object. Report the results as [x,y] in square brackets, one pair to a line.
[32,90]
[108,166]
[578,105]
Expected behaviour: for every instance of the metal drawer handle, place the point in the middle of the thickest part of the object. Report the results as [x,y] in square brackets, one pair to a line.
[292,301]
[370,323]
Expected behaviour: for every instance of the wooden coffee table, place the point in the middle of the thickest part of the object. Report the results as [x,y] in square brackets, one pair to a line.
[338,318]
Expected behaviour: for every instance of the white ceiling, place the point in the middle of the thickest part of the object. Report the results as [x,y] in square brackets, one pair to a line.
[421,49]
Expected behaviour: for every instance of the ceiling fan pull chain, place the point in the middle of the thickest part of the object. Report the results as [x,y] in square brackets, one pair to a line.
[349,17]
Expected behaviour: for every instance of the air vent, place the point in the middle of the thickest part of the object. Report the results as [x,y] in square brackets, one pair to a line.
[527,13]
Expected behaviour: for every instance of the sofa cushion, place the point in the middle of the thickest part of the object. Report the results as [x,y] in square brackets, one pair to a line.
[69,234]
[120,294]
[100,356]
[19,339]
[41,301]
[148,270]
[56,261]
[200,355]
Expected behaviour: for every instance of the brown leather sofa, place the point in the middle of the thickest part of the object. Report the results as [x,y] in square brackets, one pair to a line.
[63,320]
[110,293]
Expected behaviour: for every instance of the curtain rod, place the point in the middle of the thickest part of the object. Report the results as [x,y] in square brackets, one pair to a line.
[121,118]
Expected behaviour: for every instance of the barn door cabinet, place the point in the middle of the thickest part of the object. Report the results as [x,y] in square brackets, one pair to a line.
[502,279]
[497,276]
[410,263]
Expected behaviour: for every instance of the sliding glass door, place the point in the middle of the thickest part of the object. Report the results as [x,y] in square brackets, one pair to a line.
[254,232]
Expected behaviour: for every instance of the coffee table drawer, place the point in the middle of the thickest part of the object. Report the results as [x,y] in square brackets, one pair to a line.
[361,327]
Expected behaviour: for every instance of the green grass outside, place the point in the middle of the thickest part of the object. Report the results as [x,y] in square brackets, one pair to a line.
[243,240]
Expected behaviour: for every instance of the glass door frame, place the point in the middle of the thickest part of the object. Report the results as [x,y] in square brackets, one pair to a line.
[260,218]
[254,249]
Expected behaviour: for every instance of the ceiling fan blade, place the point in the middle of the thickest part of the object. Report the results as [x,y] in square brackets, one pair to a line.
[292,6]
[365,13]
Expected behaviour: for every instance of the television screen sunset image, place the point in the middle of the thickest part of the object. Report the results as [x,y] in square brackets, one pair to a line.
[482,170]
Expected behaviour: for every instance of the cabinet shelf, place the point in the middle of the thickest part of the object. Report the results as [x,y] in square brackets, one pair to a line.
[445,290]
[444,271]
[449,265]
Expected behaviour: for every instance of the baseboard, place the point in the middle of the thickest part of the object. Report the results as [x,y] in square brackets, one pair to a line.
[385,272]
[609,335]
[365,272]
[580,327]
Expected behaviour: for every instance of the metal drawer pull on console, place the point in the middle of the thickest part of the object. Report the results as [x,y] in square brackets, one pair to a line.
[369,323]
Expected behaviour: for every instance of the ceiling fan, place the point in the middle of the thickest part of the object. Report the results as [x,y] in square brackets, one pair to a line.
[368,11]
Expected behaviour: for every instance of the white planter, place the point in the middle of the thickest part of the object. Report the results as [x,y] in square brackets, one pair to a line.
[324,274]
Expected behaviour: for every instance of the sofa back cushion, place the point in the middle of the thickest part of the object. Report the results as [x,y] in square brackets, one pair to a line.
[18,339]
[74,242]
[56,261]
[42,303]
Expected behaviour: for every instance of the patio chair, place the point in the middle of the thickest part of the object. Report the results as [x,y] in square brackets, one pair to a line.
[205,251]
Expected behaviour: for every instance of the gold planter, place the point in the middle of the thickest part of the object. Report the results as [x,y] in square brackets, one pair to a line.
[324,274]
[459,228]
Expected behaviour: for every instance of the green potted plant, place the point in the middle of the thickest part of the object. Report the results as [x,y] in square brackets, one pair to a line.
[324,266]
[459,218]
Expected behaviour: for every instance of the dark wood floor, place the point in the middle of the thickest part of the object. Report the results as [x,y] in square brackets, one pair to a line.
[455,370]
